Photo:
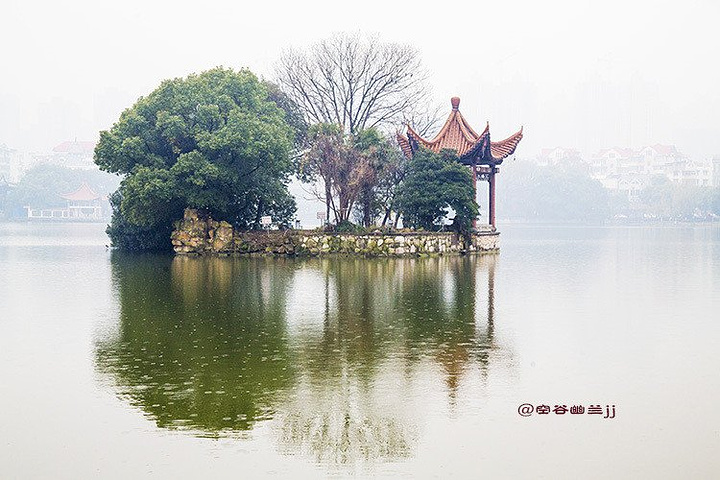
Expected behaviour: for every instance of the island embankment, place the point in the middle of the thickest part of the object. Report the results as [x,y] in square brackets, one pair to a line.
[199,234]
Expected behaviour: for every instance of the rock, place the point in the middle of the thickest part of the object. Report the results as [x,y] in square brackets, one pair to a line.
[190,214]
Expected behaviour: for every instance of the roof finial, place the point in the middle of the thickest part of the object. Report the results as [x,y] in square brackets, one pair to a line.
[455,102]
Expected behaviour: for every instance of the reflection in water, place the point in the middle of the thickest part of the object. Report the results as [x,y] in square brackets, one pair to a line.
[340,353]
[201,345]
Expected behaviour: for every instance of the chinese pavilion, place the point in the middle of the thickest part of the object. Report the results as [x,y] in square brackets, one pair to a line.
[474,150]
[82,204]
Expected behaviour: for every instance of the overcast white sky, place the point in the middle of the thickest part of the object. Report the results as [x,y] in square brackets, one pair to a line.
[574,73]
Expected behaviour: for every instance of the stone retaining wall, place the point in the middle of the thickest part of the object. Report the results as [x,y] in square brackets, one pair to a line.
[199,234]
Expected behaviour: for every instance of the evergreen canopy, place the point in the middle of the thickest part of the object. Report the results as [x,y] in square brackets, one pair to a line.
[215,141]
[434,183]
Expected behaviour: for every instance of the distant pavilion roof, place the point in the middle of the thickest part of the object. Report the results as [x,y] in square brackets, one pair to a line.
[458,135]
[74,147]
[82,194]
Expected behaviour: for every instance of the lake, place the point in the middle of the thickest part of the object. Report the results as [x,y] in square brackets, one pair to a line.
[153,366]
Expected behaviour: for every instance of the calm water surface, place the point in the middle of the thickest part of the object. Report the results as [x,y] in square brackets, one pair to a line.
[134,366]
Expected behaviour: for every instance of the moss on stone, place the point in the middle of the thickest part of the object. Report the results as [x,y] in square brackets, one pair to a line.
[199,234]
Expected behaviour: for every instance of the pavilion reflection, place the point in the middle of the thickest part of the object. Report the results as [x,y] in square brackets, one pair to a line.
[338,353]
[384,325]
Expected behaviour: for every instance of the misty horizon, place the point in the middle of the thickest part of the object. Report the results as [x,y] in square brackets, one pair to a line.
[579,76]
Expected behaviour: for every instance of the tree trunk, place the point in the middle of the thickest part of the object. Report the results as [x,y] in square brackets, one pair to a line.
[328,199]
[343,207]
[386,217]
[367,214]
[258,215]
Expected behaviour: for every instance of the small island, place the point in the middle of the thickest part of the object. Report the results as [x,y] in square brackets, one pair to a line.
[206,162]
[456,144]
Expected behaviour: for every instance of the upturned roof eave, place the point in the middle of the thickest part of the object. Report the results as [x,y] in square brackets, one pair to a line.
[470,147]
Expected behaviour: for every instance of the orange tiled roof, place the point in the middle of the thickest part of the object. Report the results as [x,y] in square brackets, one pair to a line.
[456,134]
[404,145]
[505,148]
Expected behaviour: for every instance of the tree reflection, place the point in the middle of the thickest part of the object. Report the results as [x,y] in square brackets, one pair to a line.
[340,353]
[202,342]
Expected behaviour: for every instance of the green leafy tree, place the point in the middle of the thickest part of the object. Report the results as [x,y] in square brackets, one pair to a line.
[216,141]
[294,117]
[434,183]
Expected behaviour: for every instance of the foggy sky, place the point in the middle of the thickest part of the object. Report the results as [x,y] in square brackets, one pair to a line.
[578,74]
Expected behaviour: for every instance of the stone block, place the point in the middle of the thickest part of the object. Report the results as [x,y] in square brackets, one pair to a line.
[199,234]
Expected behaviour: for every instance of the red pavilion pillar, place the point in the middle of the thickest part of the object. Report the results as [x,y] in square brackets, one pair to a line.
[474,175]
[491,200]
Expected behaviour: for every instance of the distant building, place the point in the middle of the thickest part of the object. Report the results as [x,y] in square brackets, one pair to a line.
[692,172]
[556,156]
[630,171]
[632,184]
[74,154]
[82,204]
[659,159]
[612,162]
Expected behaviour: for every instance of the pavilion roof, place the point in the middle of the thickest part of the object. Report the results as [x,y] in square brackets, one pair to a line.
[457,134]
[74,147]
[83,193]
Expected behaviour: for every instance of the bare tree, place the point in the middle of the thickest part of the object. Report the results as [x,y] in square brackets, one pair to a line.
[357,83]
[343,168]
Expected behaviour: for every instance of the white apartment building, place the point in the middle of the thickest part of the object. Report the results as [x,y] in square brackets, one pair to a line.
[629,170]
[557,156]
[74,154]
